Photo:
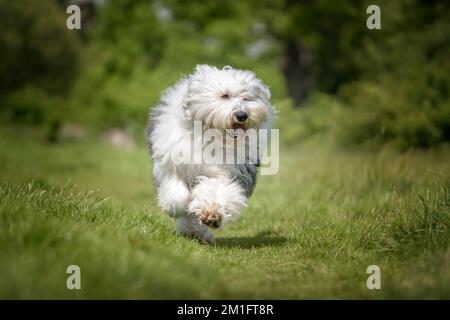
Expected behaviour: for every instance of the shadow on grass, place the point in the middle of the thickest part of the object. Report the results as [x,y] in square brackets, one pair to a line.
[262,239]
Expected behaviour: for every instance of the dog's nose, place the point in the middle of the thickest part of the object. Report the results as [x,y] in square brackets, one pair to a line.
[241,116]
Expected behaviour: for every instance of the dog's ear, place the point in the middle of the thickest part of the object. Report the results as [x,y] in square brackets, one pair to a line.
[186,111]
[263,90]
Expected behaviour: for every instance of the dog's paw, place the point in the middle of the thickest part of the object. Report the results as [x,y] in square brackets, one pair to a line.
[206,237]
[190,227]
[210,216]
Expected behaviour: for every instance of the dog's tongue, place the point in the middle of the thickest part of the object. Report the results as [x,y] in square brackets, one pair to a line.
[232,132]
[239,126]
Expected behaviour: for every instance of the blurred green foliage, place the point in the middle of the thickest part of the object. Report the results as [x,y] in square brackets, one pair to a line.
[39,63]
[36,48]
[143,48]
[365,87]
[399,93]
[404,96]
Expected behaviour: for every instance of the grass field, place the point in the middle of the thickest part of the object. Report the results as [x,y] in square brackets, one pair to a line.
[309,232]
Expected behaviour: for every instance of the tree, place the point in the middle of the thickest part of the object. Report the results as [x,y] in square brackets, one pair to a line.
[36,48]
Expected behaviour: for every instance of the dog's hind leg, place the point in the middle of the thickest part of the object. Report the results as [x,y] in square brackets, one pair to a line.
[189,226]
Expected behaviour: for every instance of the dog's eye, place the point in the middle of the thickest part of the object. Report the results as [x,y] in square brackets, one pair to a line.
[225,96]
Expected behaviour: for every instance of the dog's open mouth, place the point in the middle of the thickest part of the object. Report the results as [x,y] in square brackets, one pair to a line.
[241,126]
[236,129]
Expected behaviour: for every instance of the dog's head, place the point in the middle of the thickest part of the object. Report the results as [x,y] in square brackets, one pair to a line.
[227,98]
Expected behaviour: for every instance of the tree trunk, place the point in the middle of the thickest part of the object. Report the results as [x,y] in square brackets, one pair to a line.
[295,66]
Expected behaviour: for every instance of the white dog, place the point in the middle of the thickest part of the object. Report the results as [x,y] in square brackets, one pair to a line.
[202,195]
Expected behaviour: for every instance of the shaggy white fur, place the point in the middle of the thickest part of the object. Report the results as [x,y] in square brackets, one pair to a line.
[200,195]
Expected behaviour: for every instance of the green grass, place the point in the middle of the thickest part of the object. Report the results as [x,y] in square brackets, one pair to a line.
[309,232]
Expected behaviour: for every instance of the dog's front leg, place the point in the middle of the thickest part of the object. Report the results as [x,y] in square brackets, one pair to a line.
[174,197]
[217,200]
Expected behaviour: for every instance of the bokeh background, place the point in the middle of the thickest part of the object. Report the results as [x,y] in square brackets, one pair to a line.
[326,70]
[364,119]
